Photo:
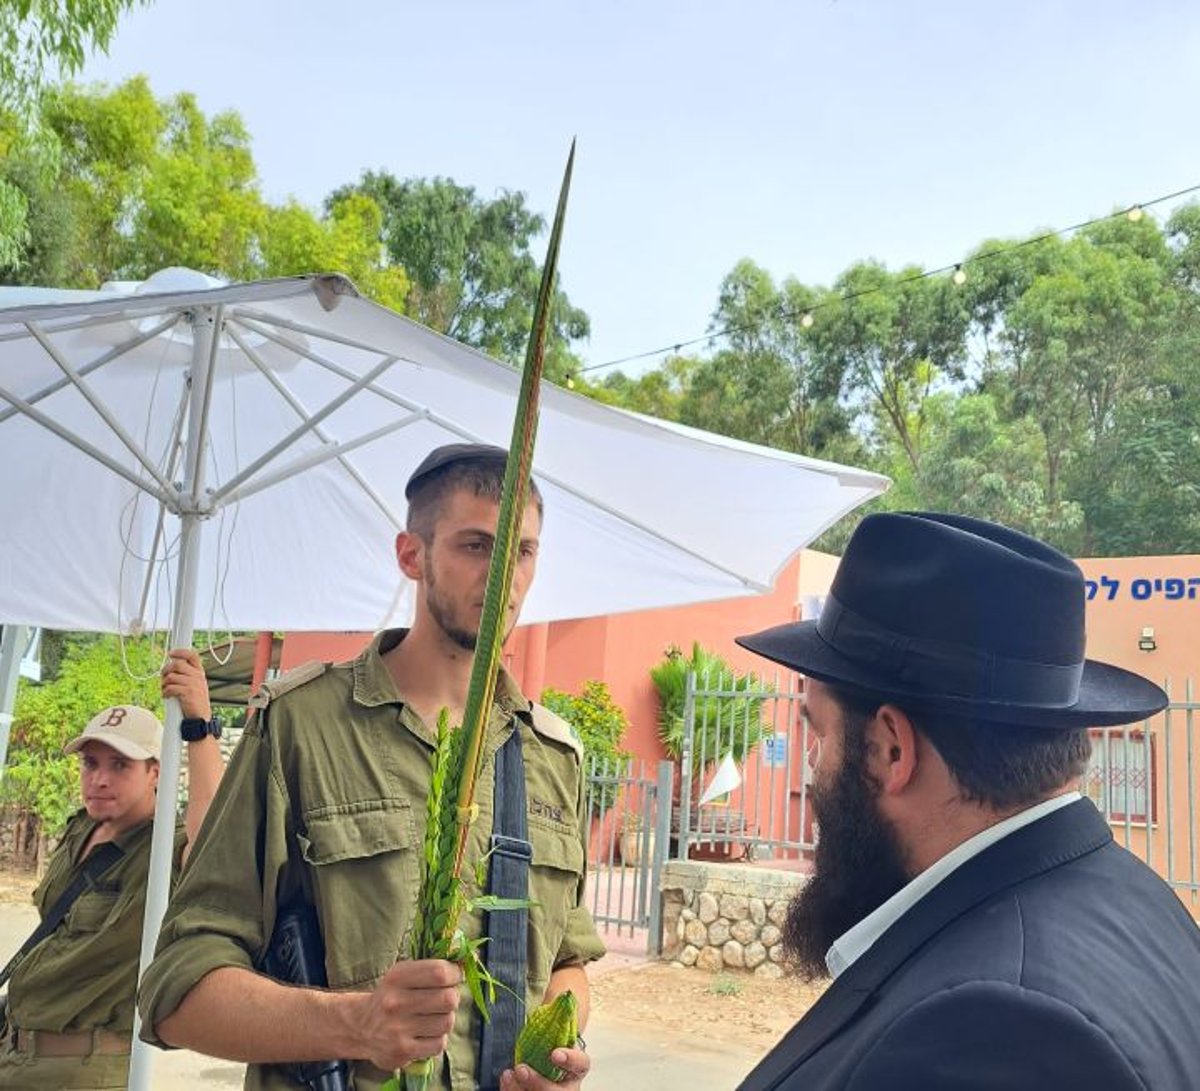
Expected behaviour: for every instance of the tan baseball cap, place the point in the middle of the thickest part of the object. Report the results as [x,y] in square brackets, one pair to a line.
[128,729]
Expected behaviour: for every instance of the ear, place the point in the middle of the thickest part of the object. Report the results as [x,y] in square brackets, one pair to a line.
[892,749]
[410,554]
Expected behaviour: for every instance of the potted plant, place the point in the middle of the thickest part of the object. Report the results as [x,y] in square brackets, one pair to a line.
[728,706]
[637,839]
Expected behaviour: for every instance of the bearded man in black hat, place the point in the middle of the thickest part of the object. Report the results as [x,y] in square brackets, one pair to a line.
[982,928]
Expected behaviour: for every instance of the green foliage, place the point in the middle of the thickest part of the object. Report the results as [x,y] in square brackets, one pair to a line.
[728,708]
[40,41]
[473,273]
[600,724]
[91,675]
[43,39]
[137,184]
[1054,389]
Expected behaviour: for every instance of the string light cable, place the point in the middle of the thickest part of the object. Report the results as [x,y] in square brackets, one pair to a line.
[956,270]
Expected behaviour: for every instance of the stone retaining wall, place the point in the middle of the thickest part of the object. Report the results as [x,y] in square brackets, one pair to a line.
[726,916]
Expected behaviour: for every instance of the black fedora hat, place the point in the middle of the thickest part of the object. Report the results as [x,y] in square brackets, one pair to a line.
[961,615]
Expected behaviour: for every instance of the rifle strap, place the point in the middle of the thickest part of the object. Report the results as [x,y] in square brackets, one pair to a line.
[98,861]
[506,951]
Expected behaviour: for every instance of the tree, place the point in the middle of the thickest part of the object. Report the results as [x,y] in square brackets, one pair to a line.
[40,41]
[345,240]
[976,463]
[657,393]
[469,260]
[143,183]
[764,384]
[1085,337]
[892,337]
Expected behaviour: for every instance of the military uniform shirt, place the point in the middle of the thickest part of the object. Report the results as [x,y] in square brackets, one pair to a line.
[83,976]
[325,799]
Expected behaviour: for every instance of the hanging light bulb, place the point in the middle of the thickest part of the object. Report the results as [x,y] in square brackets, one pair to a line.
[1135,213]
[960,275]
[807,321]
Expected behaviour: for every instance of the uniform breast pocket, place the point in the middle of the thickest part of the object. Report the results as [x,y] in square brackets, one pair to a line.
[363,864]
[90,911]
[553,880]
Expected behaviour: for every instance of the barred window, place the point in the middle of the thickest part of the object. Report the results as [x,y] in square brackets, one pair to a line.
[1120,776]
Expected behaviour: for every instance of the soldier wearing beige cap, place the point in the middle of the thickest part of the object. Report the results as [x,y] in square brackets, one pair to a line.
[69,1018]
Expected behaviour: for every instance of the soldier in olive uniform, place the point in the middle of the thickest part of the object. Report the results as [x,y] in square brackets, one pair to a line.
[69,1018]
[324,801]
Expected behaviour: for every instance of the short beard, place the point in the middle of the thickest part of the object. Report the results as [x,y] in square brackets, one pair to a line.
[441,613]
[464,638]
[859,862]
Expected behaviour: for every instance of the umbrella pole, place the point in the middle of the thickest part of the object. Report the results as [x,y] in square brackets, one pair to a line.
[162,846]
[12,644]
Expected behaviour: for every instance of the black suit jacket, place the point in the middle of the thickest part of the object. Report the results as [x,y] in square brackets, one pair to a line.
[1053,959]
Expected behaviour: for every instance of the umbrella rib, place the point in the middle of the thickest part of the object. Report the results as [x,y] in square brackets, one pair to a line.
[298,408]
[101,409]
[53,325]
[80,444]
[451,426]
[198,436]
[362,383]
[347,374]
[253,315]
[315,458]
[100,361]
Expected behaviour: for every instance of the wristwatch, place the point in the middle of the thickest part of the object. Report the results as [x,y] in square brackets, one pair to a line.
[193,729]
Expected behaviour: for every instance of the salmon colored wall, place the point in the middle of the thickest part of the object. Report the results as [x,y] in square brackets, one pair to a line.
[621,649]
[328,647]
[1114,624]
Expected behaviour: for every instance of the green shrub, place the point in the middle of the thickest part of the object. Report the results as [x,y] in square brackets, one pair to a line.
[724,724]
[600,724]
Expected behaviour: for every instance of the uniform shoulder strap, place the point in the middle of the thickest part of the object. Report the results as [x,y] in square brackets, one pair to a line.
[553,726]
[97,862]
[285,683]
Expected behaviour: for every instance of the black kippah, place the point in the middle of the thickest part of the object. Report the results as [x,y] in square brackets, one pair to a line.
[453,452]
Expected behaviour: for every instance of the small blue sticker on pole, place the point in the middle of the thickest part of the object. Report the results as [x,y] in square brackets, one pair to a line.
[775,748]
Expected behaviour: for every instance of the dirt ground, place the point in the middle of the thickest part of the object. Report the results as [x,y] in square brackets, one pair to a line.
[728,1007]
[16,886]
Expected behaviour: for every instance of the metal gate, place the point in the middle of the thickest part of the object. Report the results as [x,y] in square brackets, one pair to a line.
[1145,778]
[744,772]
[630,809]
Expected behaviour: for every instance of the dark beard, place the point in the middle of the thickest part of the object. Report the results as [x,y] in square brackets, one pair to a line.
[859,865]
[464,638]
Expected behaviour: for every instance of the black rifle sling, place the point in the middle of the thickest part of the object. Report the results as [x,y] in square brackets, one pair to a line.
[506,951]
[98,861]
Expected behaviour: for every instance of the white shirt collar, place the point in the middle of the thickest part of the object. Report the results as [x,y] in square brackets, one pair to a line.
[853,944]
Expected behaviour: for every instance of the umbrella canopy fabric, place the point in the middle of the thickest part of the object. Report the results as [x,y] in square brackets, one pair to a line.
[308,407]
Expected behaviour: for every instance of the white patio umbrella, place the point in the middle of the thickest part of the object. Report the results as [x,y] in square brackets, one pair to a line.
[184,451]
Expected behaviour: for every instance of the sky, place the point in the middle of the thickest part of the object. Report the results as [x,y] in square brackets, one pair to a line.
[803,134]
